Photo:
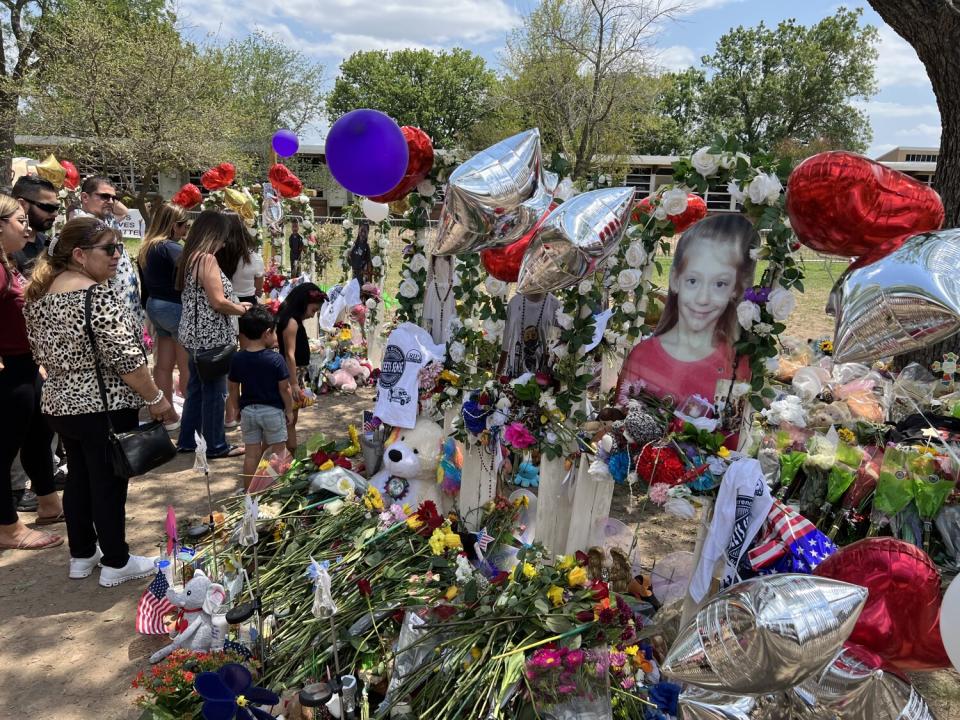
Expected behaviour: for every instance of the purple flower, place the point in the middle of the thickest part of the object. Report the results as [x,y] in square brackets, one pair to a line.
[567,689]
[573,660]
[758,295]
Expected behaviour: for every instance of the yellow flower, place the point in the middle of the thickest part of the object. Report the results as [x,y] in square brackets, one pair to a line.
[565,562]
[475,652]
[346,334]
[529,571]
[632,650]
[555,595]
[452,540]
[451,592]
[577,577]
[372,499]
[328,465]
[847,435]
[437,542]
[522,501]
[723,452]
[450,377]
[407,510]
[414,523]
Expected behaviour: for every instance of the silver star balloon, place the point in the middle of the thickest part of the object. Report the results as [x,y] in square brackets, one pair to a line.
[495,197]
[574,238]
[766,634]
[853,687]
[698,704]
[903,302]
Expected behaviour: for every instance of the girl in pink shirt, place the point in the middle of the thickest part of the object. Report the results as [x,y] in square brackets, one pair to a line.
[691,349]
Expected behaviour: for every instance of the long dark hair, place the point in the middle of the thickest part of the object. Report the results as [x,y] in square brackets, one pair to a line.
[734,231]
[237,246]
[295,306]
[206,235]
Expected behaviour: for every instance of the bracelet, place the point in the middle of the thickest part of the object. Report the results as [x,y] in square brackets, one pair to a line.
[157,400]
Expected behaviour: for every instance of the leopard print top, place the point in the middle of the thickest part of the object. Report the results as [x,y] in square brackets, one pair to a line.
[210,329]
[57,333]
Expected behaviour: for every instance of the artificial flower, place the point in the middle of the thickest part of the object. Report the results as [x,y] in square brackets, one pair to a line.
[658,494]
[555,595]
[529,571]
[516,435]
[577,577]
[408,288]
[660,465]
[629,308]
[495,287]
[764,189]
[564,320]
[635,255]
[781,303]
[565,562]
[736,194]
[674,201]
[418,262]
[437,542]
[705,162]
[628,279]
[585,287]
[748,313]
[457,351]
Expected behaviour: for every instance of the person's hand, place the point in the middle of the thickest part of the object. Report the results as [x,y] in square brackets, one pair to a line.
[289,417]
[245,306]
[163,410]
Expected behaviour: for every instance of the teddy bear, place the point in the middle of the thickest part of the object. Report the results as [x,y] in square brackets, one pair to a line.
[410,460]
[344,378]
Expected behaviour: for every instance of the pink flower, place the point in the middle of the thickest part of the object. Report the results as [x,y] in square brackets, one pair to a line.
[658,494]
[628,683]
[573,660]
[566,689]
[517,435]
[544,659]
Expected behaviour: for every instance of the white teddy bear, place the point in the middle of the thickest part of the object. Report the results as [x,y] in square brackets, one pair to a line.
[410,459]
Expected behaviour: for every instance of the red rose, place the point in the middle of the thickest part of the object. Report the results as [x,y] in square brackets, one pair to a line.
[600,590]
[363,586]
[584,616]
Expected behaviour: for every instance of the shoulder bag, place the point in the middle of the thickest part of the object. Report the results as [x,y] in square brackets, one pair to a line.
[138,451]
[213,362]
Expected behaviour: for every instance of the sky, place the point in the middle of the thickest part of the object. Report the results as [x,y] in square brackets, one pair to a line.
[903,112]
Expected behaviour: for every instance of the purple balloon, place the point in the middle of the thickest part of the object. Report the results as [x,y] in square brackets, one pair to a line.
[285,143]
[366,152]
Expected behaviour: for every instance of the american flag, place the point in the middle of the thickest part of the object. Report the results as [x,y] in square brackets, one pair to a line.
[789,543]
[153,606]
[484,539]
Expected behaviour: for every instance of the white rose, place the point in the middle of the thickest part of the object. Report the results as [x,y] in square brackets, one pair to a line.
[559,351]
[62,194]
[629,308]
[674,201]
[451,391]
[418,262]
[764,189]
[610,336]
[628,279]
[370,303]
[705,163]
[585,287]
[303,199]
[635,255]
[748,313]
[376,261]
[306,226]
[383,241]
[426,188]
[347,223]
[551,437]
[503,404]
[548,402]
[409,289]
[564,320]
[493,328]
[457,351]
[660,213]
[727,161]
[735,192]
[495,287]
[781,303]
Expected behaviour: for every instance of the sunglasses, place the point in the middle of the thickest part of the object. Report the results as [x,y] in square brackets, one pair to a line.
[109,248]
[46,207]
[106,197]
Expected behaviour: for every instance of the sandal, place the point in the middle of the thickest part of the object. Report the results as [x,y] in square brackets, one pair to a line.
[51,520]
[232,451]
[34,540]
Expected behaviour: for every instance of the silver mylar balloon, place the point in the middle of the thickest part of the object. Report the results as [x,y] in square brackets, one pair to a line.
[272,211]
[698,704]
[852,687]
[494,198]
[573,239]
[903,302]
[766,634]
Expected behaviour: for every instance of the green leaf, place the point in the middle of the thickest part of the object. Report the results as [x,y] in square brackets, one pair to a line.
[557,624]
[756,402]
[542,606]
[373,559]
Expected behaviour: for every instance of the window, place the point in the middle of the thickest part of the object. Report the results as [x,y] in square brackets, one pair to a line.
[719,200]
[922,157]
[639,178]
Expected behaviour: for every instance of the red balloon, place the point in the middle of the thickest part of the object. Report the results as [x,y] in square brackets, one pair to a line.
[284,181]
[419,162]
[901,619]
[72,179]
[504,262]
[217,178]
[696,211]
[845,204]
[187,197]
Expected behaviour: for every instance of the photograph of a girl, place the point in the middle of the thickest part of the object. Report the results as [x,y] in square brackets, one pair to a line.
[689,359]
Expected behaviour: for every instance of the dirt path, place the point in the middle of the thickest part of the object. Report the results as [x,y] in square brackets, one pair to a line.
[69,650]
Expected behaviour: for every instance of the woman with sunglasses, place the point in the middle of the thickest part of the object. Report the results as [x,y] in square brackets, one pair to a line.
[158,258]
[27,432]
[71,276]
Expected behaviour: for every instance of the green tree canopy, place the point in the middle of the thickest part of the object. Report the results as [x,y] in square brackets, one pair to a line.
[445,94]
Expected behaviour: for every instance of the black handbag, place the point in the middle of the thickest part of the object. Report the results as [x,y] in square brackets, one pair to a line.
[135,452]
[212,362]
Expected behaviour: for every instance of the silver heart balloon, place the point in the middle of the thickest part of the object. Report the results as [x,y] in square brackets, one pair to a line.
[573,239]
[903,302]
[698,704]
[853,687]
[765,635]
[494,198]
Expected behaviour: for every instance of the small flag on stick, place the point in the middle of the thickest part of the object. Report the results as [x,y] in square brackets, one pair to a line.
[153,606]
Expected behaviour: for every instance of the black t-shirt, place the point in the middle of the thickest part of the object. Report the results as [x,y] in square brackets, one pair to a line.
[160,273]
[259,372]
[296,246]
[25,259]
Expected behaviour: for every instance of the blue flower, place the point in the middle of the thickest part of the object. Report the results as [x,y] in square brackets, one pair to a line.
[229,693]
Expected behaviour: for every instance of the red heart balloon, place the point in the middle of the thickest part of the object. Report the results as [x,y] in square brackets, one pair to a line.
[72,178]
[187,197]
[419,162]
[845,204]
[901,619]
[217,178]
[284,181]
[696,211]
[504,262]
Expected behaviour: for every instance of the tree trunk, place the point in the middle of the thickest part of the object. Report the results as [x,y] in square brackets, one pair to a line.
[8,127]
[932,28]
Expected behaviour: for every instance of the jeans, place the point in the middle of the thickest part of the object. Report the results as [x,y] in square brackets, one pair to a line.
[94,499]
[165,316]
[26,432]
[203,413]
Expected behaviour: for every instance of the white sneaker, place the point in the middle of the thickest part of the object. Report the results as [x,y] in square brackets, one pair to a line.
[82,567]
[137,567]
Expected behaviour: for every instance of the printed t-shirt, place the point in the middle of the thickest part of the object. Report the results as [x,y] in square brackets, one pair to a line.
[409,348]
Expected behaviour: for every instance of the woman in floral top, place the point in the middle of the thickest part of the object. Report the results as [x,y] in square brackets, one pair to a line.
[75,272]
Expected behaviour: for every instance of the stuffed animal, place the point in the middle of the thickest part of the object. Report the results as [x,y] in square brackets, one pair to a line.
[410,460]
[528,475]
[200,602]
[345,377]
